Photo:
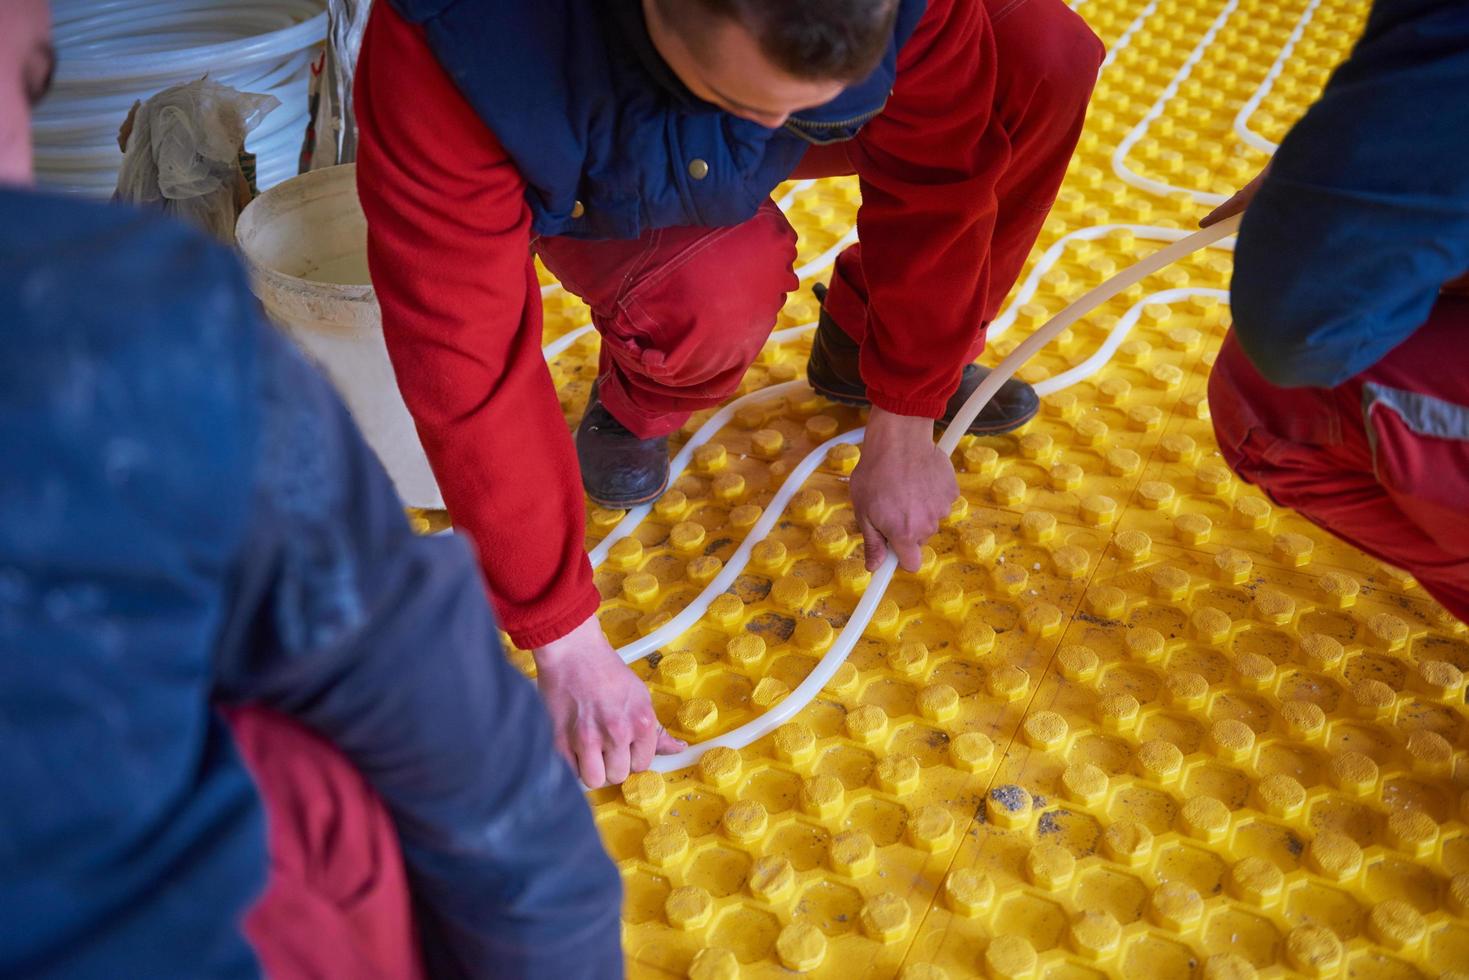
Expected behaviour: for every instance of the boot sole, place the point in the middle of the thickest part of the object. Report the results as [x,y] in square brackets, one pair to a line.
[627,504]
[998,430]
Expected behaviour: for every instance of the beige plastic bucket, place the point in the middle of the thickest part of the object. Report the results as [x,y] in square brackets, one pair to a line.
[305,242]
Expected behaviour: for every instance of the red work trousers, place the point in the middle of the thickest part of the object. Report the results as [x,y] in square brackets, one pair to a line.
[1381,461]
[336,901]
[684,311]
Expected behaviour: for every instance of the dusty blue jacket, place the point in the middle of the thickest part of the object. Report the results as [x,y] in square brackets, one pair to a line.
[187,515]
[581,101]
[1365,214]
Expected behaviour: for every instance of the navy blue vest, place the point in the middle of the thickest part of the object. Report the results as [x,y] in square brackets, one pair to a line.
[608,141]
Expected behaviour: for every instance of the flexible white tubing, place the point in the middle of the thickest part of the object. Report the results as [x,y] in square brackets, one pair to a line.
[1050,256]
[807,691]
[112,52]
[1242,119]
[1119,155]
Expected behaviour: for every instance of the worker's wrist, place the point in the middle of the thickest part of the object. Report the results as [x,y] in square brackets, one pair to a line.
[886,426]
[586,635]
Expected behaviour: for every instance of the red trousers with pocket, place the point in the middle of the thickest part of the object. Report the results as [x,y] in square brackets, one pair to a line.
[957,175]
[336,900]
[1381,461]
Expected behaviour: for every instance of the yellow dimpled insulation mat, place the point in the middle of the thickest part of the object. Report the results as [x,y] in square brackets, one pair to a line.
[1130,719]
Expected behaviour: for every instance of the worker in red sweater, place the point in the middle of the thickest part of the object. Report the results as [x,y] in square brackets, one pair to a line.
[632,145]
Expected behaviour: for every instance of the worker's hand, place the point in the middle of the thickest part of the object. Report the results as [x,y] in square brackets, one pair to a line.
[601,712]
[1238,202]
[902,488]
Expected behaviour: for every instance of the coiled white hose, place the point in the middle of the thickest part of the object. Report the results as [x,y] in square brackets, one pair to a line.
[113,52]
[806,692]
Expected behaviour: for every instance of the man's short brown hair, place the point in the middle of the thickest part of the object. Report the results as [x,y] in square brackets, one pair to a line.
[812,39]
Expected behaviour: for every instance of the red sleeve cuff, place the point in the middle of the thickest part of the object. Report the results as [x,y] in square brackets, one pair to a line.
[583,606]
[929,408]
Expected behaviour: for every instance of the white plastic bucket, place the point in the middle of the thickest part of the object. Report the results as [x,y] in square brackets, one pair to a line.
[305,243]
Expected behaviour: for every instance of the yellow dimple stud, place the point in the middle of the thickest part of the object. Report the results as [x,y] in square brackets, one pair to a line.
[744,516]
[1441,680]
[728,487]
[1334,855]
[1134,546]
[1077,662]
[1255,671]
[1280,795]
[1233,567]
[640,588]
[1251,513]
[666,845]
[969,892]
[801,947]
[625,554]
[898,774]
[972,751]
[1354,773]
[1106,602]
[672,506]
[720,766]
[946,598]
[821,427]
[1169,583]
[807,506]
[1144,643]
[1192,529]
[1065,477]
[1211,625]
[1159,761]
[867,723]
[790,592]
[1118,712]
[1389,631]
[977,544]
[831,540]
[1231,739]
[1176,906]
[1321,652]
[852,853]
[643,790]
[686,537]
[1272,607]
[1008,806]
[1008,491]
[689,907]
[1128,842]
[1432,754]
[1228,966]
[1186,689]
[821,795]
[745,820]
[909,659]
[697,715]
[678,671]
[1095,935]
[1040,619]
[1050,866]
[768,555]
[701,570]
[1338,589]
[980,459]
[714,963]
[1045,730]
[1156,495]
[886,917]
[844,682]
[745,650]
[1313,950]
[710,457]
[1257,881]
[1413,831]
[1373,698]
[1459,894]
[767,443]
[794,742]
[1293,550]
[1097,510]
[931,828]
[1084,783]
[1038,526]
[1010,957]
[843,459]
[772,878]
[1009,683]
[1205,818]
[1396,924]
[726,611]
[938,702]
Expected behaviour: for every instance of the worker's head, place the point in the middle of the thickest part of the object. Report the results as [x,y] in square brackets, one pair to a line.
[26,63]
[764,60]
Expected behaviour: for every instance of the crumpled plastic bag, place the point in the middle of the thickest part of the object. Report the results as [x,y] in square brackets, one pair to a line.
[183,153]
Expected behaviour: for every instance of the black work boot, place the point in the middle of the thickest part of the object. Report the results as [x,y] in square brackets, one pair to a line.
[832,371]
[618,469]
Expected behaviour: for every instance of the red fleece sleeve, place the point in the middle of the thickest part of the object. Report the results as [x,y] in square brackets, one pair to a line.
[449,249]
[928,167]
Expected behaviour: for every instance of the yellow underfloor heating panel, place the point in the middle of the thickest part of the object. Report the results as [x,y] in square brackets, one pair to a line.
[1130,719]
